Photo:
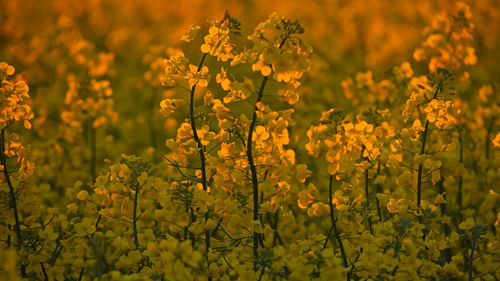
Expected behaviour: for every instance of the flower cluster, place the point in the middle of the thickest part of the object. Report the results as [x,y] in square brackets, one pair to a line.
[14,98]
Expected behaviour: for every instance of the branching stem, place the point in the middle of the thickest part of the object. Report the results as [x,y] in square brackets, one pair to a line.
[13,199]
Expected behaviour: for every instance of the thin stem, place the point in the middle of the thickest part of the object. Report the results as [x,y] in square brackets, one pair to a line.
[93,152]
[199,145]
[334,223]
[251,163]
[191,234]
[421,166]
[253,170]
[134,220]
[328,237]
[422,152]
[487,139]
[378,189]
[276,236]
[13,199]
[186,230]
[368,201]
[261,273]
[460,179]
[151,124]
[99,217]
[444,212]
[474,242]
[45,276]
[80,276]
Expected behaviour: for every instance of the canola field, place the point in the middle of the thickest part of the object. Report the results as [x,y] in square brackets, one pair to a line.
[249,140]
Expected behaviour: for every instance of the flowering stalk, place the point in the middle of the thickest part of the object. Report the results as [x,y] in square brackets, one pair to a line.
[93,152]
[460,179]
[99,217]
[474,242]
[251,163]
[134,220]
[334,223]
[422,152]
[367,192]
[199,145]
[488,138]
[368,200]
[378,190]
[444,212]
[13,199]
[151,124]
[253,170]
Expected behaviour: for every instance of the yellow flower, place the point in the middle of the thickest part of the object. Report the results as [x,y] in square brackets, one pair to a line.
[406,70]
[467,224]
[496,140]
[440,199]
[318,209]
[222,79]
[261,66]
[83,195]
[302,172]
[169,106]
[217,42]
[195,77]
[6,70]
[190,33]
[260,134]
[85,227]
[392,206]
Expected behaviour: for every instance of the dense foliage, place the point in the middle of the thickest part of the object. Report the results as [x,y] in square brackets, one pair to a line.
[249,155]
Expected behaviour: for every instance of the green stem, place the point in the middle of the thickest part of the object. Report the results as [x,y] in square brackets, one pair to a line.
[474,242]
[328,237]
[261,273]
[13,199]
[422,152]
[421,167]
[378,190]
[460,179]
[80,276]
[251,163]
[134,220]
[99,217]
[276,236]
[12,193]
[93,152]
[151,125]
[253,169]
[44,272]
[368,201]
[199,145]
[444,212]
[334,223]
[487,139]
